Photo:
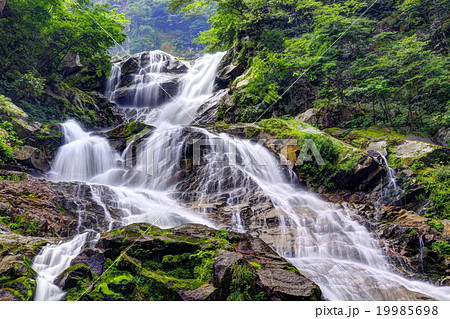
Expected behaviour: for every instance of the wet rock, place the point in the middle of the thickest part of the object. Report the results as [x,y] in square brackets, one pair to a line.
[17,278]
[93,258]
[41,208]
[126,134]
[71,276]
[168,87]
[408,240]
[232,66]
[8,295]
[207,113]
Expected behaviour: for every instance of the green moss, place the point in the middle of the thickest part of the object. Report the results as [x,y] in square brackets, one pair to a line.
[205,261]
[222,234]
[361,139]
[242,287]
[442,248]
[23,287]
[291,268]
[255,265]
[127,131]
[437,183]
[252,131]
[436,225]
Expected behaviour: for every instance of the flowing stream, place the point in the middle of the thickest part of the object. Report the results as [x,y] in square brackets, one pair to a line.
[322,240]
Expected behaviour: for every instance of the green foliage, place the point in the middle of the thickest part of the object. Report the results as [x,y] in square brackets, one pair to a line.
[441,248]
[242,282]
[437,182]
[38,37]
[8,142]
[392,63]
[436,225]
[205,259]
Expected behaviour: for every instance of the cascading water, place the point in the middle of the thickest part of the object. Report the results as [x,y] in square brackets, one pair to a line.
[323,241]
[391,192]
[52,261]
[195,88]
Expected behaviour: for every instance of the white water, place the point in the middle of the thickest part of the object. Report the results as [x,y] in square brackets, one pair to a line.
[196,87]
[52,261]
[323,241]
[390,191]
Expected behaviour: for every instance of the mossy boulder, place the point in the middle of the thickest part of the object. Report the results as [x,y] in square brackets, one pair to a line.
[143,262]
[17,278]
[22,124]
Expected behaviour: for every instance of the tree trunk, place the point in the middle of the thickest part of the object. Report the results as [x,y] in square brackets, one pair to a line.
[411,116]
[2,6]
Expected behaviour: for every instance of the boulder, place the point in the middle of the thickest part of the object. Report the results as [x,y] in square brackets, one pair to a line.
[17,278]
[22,124]
[126,134]
[310,116]
[31,157]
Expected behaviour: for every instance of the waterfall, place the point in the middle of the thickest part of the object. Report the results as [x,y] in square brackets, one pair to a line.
[196,86]
[51,262]
[230,183]
[390,192]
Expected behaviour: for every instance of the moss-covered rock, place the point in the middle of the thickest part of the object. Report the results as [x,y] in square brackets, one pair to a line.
[17,278]
[147,263]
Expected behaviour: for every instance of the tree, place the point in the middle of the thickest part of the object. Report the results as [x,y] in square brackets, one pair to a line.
[2,6]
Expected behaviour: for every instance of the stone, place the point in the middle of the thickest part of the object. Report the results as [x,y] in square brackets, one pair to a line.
[31,157]
[207,112]
[93,258]
[71,276]
[165,264]
[222,262]
[378,146]
[50,209]
[413,149]
[310,116]
[71,64]
[22,124]
[8,295]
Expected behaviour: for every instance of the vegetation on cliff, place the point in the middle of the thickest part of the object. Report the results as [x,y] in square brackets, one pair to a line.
[389,58]
[44,43]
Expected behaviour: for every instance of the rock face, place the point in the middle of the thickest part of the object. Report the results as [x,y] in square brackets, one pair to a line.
[22,124]
[207,113]
[121,136]
[189,262]
[233,65]
[328,116]
[31,157]
[352,169]
[31,206]
[410,240]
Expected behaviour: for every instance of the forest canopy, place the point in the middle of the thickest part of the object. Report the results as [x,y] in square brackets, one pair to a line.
[388,58]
